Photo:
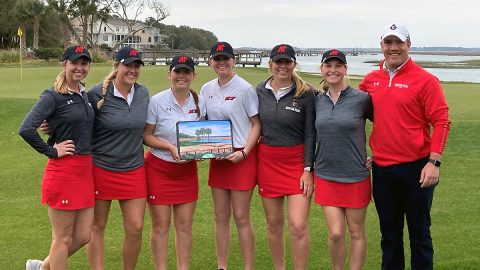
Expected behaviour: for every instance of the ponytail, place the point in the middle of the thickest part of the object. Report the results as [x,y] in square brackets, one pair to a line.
[195,98]
[301,85]
[106,82]
[60,84]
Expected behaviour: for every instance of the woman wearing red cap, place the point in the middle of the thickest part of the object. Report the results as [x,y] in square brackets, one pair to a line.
[286,155]
[342,182]
[172,183]
[232,179]
[67,184]
[120,105]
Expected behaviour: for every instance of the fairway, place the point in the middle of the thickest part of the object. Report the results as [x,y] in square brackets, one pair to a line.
[25,229]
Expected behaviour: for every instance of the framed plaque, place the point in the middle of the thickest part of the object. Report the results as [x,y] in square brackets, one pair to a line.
[204,139]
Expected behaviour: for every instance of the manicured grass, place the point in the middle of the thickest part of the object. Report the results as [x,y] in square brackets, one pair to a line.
[25,229]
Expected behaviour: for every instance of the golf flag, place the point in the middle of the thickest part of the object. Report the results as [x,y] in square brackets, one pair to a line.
[20,34]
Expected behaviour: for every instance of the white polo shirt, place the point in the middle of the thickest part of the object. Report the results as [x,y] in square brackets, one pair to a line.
[164,112]
[236,101]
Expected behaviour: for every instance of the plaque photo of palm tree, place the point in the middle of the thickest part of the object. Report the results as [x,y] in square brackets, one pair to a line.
[204,139]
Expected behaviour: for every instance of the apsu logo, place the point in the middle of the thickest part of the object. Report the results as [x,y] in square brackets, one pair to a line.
[220,47]
[79,49]
[282,49]
[393,27]
[182,59]
[133,52]
[334,52]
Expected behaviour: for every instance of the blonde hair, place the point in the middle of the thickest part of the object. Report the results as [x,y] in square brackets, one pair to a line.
[301,85]
[106,81]
[60,84]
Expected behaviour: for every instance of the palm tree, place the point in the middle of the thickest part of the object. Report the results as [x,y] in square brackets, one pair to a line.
[197,133]
[208,131]
[23,13]
[37,10]
[202,132]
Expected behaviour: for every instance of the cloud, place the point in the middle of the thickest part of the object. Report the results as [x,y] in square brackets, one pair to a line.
[342,23]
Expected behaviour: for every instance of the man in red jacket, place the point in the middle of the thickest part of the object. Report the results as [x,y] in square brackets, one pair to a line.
[408,101]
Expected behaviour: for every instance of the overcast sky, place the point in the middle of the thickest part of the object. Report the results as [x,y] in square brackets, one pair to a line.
[328,24]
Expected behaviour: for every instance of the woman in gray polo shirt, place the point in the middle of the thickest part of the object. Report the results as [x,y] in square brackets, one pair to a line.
[342,179]
[120,105]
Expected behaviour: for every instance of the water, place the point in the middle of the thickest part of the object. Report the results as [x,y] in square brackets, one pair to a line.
[213,140]
[356,65]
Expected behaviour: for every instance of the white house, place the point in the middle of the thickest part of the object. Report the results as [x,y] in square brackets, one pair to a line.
[115,29]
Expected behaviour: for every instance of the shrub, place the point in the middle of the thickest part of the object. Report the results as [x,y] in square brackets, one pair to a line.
[49,53]
[98,57]
[10,56]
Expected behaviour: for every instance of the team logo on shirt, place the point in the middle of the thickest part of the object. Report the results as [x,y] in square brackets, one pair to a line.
[69,102]
[376,83]
[293,106]
[192,111]
[210,96]
[168,108]
[230,98]
[401,85]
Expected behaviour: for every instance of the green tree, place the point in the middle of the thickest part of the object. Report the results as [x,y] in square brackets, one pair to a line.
[9,24]
[208,131]
[38,9]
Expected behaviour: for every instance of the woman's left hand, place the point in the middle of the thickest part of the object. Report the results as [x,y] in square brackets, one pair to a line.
[236,157]
[306,184]
[368,163]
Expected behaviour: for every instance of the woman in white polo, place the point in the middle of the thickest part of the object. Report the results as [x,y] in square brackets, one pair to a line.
[232,179]
[172,185]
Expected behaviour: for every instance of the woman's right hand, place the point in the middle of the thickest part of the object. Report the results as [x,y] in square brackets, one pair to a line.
[65,148]
[174,152]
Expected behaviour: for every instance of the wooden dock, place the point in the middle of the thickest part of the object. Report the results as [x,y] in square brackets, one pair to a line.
[243,58]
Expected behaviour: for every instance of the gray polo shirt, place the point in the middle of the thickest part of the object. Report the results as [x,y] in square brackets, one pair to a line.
[70,117]
[289,120]
[341,151]
[118,131]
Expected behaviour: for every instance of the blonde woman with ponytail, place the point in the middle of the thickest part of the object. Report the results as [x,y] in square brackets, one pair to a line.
[286,155]
[120,105]
[67,184]
[172,183]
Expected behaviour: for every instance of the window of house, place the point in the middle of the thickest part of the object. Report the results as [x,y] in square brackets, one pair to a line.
[117,29]
[104,29]
[143,31]
[149,39]
[105,38]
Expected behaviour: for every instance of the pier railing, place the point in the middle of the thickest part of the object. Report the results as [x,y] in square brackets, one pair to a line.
[242,58]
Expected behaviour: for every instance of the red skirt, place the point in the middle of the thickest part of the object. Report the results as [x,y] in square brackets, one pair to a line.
[170,182]
[67,183]
[345,195]
[279,170]
[113,185]
[225,174]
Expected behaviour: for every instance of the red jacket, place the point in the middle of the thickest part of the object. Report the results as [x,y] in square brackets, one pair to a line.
[406,106]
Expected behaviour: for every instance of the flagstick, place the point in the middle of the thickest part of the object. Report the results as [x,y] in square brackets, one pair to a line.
[20,34]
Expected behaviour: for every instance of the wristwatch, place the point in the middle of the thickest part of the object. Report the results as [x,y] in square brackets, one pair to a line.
[435,162]
[308,169]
